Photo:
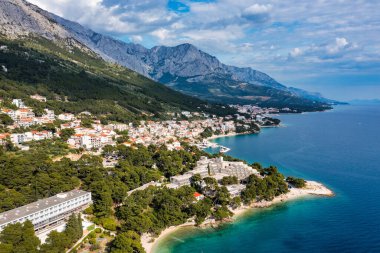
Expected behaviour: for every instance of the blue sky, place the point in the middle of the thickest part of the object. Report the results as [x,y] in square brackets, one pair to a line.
[328,46]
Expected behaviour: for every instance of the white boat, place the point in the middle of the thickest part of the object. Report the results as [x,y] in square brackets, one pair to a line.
[224,149]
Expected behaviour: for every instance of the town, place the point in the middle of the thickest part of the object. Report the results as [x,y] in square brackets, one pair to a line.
[23,127]
[22,124]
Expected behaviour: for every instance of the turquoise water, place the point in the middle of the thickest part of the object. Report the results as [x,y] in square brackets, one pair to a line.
[340,148]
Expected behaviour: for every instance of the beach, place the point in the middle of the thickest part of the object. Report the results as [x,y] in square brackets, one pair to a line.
[312,188]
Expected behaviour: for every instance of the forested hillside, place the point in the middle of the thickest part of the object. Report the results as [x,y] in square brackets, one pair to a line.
[75,81]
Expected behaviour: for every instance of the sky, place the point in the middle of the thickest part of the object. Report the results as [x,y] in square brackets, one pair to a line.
[328,46]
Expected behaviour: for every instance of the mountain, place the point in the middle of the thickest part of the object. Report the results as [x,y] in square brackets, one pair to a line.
[184,67]
[192,71]
[39,56]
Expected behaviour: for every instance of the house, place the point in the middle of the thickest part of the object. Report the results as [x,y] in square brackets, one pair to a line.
[3,138]
[49,114]
[26,122]
[19,103]
[24,113]
[10,113]
[43,135]
[38,97]
[198,196]
[66,116]
[21,137]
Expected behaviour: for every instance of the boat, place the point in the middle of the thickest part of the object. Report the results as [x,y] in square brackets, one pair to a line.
[224,149]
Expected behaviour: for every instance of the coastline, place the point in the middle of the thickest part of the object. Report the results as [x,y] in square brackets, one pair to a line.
[312,188]
[226,135]
[236,134]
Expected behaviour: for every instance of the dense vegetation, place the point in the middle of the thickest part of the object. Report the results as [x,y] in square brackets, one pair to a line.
[296,182]
[75,82]
[28,176]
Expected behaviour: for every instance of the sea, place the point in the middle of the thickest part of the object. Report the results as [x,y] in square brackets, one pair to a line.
[341,149]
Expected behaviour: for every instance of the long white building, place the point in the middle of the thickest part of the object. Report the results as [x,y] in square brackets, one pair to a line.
[49,211]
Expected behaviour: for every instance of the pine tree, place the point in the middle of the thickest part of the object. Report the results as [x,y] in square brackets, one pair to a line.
[80,226]
[72,228]
[19,238]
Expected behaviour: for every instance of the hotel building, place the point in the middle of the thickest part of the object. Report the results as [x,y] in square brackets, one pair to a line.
[48,212]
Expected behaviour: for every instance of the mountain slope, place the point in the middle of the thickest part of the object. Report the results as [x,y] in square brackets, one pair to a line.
[192,71]
[184,67]
[38,55]
[114,92]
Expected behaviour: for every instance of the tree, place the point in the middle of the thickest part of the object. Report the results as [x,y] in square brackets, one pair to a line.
[108,150]
[221,213]
[73,231]
[80,226]
[201,210]
[6,119]
[86,122]
[102,198]
[10,198]
[127,242]
[296,182]
[19,237]
[222,196]
[211,185]
[228,180]
[207,133]
[235,202]
[66,133]
[56,242]
[196,182]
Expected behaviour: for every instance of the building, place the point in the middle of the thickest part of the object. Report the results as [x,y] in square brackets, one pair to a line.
[235,189]
[21,137]
[49,114]
[48,212]
[216,168]
[4,138]
[181,180]
[198,196]
[38,97]
[18,102]
[66,116]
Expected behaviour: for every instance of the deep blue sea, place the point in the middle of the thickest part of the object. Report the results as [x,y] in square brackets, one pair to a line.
[340,148]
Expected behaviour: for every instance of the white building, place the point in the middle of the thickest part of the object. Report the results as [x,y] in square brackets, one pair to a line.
[38,97]
[235,189]
[66,116]
[181,180]
[21,137]
[49,114]
[18,102]
[49,211]
[216,168]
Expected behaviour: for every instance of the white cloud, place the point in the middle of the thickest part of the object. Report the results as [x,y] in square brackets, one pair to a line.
[136,38]
[340,44]
[161,34]
[317,36]
[296,52]
[257,12]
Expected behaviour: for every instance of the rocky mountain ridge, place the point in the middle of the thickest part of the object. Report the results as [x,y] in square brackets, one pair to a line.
[183,67]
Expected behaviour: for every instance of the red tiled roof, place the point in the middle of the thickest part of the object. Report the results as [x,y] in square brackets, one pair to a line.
[197,194]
